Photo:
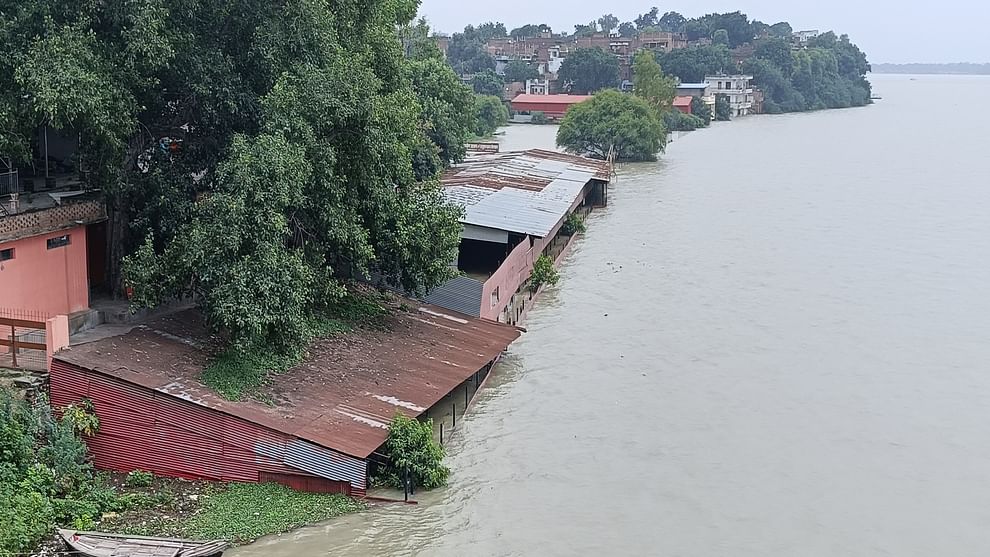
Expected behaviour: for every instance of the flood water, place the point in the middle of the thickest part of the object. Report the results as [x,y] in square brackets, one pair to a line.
[773,342]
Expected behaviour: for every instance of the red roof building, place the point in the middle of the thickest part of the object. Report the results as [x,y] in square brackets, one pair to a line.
[683,104]
[553,106]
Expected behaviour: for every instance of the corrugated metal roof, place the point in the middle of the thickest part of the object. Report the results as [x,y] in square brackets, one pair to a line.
[461,294]
[341,397]
[550,99]
[527,192]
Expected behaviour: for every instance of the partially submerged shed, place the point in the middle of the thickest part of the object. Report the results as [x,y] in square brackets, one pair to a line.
[320,422]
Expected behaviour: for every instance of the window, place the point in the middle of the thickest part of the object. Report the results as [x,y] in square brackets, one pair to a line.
[6,254]
[58,241]
[495,297]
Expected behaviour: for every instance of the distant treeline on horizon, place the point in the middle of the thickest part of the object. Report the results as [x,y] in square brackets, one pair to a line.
[961,68]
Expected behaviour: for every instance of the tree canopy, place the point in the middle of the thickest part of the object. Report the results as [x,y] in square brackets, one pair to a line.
[520,70]
[650,83]
[587,70]
[613,122]
[490,114]
[607,23]
[287,179]
[487,83]
[693,63]
[649,19]
[466,51]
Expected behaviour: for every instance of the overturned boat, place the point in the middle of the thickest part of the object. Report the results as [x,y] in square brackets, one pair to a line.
[99,544]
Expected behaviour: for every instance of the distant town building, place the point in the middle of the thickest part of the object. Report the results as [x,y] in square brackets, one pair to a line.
[737,88]
[553,106]
[702,91]
[802,37]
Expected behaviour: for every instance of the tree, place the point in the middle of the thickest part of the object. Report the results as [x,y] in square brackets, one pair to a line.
[649,19]
[723,110]
[607,23]
[613,122]
[672,22]
[447,113]
[525,32]
[701,109]
[491,30]
[487,83]
[467,54]
[627,30]
[736,24]
[782,30]
[490,114]
[720,36]
[411,448]
[586,30]
[587,70]
[776,51]
[651,85]
[692,64]
[677,121]
[520,71]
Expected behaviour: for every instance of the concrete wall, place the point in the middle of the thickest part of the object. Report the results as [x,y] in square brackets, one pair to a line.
[54,280]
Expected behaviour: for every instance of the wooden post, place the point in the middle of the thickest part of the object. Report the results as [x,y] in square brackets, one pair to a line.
[441,432]
[13,346]
[453,414]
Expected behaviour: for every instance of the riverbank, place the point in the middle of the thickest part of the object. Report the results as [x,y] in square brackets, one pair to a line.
[237,512]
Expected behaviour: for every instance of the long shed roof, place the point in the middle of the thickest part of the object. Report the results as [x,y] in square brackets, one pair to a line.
[341,397]
[526,192]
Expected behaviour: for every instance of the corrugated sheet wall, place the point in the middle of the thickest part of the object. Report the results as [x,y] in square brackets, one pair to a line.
[146,430]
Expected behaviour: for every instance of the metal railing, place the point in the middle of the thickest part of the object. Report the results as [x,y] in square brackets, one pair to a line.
[9,183]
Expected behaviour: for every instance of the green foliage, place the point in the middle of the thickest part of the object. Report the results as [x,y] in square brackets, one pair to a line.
[466,52]
[647,20]
[446,113]
[520,70]
[607,23]
[574,224]
[411,447]
[140,478]
[613,122]
[487,83]
[627,29]
[539,117]
[672,22]
[46,478]
[723,109]
[782,30]
[676,120]
[720,36]
[245,512]
[776,51]
[693,63]
[650,83]
[702,110]
[738,29]
[529,31]
[490,114]
[587,70]
[543,273]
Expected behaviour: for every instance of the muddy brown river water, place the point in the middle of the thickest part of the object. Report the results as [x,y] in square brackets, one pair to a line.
[774,342]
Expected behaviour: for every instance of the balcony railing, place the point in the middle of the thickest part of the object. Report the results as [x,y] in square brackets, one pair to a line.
[9,183]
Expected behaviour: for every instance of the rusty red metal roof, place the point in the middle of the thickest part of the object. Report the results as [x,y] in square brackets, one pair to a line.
[683,101]
[341,397]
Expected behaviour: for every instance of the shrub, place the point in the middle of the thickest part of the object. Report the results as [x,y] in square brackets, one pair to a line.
[538,117]
[411,447]
[676,120]
[543,272]
[573,225]
[139,478]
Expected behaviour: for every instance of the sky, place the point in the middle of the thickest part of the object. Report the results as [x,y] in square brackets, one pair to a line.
[888,31]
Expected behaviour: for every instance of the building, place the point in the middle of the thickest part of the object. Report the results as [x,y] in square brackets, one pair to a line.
[515,205]
[323,422]
[46,263]
[701,90]
[737,88]
[553,106]
[802,37]
[683,104]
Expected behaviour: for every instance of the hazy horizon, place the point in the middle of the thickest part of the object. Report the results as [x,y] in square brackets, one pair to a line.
[886,35]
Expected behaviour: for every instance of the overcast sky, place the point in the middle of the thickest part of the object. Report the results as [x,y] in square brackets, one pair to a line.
[889,31]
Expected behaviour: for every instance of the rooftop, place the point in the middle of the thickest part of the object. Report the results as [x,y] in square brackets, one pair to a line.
[343,395]
[693,85]
[683,101]
[525,192]
[550,99]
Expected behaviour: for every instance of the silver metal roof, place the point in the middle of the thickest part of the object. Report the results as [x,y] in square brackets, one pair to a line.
[527,192]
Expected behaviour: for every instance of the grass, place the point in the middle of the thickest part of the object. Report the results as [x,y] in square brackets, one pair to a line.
[246,512]
[237,373]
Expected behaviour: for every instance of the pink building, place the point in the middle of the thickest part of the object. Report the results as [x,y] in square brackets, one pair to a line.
[515,205]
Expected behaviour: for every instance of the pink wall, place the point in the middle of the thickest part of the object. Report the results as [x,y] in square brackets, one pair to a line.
[513,272]
[54,281]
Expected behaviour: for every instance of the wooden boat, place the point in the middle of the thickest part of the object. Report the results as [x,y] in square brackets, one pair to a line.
[98,544]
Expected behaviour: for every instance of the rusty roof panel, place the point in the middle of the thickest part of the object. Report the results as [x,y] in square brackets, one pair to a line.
[341,397]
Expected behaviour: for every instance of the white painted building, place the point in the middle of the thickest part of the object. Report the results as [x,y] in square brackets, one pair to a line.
[737,88]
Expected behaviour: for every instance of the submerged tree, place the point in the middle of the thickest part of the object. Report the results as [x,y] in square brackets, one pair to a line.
[613,123]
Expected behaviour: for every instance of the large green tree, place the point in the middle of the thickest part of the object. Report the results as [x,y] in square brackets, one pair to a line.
[520,70]
[587,70]
[613,123]
[490,114]
[487,83]
[692,64]
[287,178]
[650,83]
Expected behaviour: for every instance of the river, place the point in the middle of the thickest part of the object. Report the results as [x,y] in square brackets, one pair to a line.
[773,342]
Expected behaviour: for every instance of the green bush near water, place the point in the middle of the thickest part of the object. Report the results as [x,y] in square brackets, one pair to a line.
[543,272]
[411,447]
